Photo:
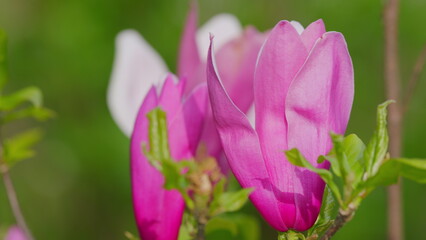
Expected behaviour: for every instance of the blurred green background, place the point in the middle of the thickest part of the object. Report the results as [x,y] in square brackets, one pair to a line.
[77,187]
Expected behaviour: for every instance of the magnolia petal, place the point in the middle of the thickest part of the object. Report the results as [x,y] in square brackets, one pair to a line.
[236,63]
[319,101]
[158,212]
[224,26]
[15,233]
[299,27]
[280,59]
[189,58]
[241,146]
[312,33]
[136,68]
[186,127]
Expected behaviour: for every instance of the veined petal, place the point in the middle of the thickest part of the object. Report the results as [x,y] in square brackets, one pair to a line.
[15,233]
[136,68]
[189,58]
[241,146]
[312,33]
[236,61]
[319,101]
[224,26]
[186,127]
[280,59]
[158,212]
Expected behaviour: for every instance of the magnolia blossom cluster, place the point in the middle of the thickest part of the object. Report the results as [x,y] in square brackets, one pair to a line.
[299,82]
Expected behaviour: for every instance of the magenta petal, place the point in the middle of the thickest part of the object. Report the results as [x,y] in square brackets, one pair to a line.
[236,63]
[186,127]
[280,59]
[158,212]
[319,101]
[189,58]
[241,146]
[312,33]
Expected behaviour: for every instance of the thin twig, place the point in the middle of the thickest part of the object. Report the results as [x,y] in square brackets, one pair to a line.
[414,79]
[393,86]
[341,219]
[14,204]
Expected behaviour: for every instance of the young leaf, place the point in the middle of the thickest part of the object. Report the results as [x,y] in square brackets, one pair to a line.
[3,53]
[297,159]
[20,147]
[40,114]
[233,227]
[354,149]
[230,201]
[378,145]
[32,95]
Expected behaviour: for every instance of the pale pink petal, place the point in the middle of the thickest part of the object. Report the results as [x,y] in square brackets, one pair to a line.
[312,33]
[189,58]
[241,146]
[158,212]
[136,68]
[299,27]
[280,59]
[15,233]
[318,101]
[224,26]
[236,61]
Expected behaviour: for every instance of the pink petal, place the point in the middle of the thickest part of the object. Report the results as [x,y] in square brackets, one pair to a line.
[189,59]
[312,33]
[15,233]
[158,212]
[319,101]
[241,146]
[137,66]
[280,59]
[186,127]
[236,63]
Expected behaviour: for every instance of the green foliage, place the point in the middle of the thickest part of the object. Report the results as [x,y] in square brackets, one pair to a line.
[229,201]
[13,107]
[356,170]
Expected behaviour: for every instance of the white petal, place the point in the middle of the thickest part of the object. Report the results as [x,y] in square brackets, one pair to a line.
[299,27]
[137,66]
[251,116]
[224,27]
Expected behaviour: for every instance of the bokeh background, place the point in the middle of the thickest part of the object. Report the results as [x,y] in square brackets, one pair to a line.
[77,187]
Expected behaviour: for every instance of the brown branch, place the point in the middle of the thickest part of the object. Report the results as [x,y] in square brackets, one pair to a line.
[341,219]
[14,204]
[414,79]
[392,82]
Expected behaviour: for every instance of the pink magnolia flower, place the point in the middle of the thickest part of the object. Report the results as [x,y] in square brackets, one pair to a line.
[303,89]
[15,233]
[158,212]
[138,66]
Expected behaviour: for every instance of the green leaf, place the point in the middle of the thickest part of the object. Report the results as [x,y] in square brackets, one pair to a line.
[291,235]
[40,114]
[174,179]
[297,159]
[378,145]
[230,201]
[389,172]
[3,54]
[328,213]
[32,95]
[354,149]
[20,147]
